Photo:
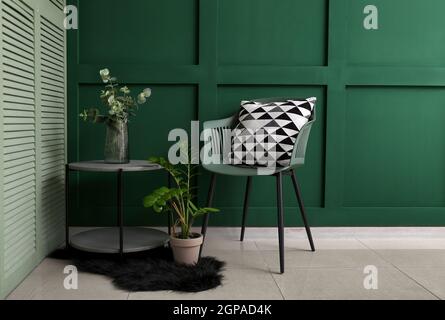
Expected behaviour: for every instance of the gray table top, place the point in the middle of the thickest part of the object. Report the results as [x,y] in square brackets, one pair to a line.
[101,166]
[106,240]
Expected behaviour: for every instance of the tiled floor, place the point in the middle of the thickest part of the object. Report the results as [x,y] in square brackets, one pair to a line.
[410,263]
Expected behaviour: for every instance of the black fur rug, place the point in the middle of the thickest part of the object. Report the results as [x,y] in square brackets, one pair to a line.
[152,270]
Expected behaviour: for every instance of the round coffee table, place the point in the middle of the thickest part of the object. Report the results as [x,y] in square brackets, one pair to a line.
[120,239]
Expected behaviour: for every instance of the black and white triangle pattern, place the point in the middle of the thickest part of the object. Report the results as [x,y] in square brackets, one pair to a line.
[266,133]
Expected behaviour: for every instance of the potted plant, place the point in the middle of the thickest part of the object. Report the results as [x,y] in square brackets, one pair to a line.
[120,107]
[179,202]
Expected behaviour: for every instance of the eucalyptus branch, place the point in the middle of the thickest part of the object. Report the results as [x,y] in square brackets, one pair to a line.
[117,100]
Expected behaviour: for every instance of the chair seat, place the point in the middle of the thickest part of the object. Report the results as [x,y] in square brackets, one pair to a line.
[245,171]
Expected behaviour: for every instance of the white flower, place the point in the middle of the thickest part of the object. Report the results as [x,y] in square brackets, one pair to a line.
[142,98]
[125,90]
[116,108]
[147,92]
[105,75]
[111,100]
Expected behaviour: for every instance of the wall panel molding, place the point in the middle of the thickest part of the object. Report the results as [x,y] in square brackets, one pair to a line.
[223,62]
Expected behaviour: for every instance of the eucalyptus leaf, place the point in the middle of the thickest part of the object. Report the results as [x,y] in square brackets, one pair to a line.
[116,99]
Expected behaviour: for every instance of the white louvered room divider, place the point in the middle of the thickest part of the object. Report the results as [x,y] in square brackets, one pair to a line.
[32,135]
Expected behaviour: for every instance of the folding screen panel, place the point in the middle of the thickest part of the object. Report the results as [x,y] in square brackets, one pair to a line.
[19,136]
[52,130]
[32,134]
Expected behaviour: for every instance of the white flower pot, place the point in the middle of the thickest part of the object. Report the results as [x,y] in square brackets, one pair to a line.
[186,251]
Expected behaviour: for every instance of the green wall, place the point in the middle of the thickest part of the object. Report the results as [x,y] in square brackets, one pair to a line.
[377,153]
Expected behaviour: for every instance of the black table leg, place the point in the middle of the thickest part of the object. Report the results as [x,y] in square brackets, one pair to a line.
[67,205]
[120,210]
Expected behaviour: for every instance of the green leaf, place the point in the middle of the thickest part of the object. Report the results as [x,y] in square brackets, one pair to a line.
[149,201]
[192,205]
[154,160]
[157,209]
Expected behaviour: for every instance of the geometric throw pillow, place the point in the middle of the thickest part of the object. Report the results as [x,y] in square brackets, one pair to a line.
[266,132]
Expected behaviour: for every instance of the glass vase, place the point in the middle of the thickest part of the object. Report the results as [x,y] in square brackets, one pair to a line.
[116,142]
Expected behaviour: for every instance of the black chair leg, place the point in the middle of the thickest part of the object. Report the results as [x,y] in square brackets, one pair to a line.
[302,210]
[205,222]
[246,207]
[280,219]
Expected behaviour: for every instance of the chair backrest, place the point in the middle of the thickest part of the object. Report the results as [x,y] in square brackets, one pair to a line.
[219,133]
[300,147]
[276,99]
[218,138]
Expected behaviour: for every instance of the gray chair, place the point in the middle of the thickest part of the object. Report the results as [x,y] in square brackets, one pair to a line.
[219,136]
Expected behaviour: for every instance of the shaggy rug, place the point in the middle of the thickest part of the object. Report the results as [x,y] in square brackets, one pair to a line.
[152,270]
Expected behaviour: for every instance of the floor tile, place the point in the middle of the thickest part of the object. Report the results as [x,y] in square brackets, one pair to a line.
[410,263]
[414,243]
[230,245]
[393,232]
[324,259]
[347,284]
[248,259]
[414,258]
[222,234]
[46,283]
[432,279]
[238,284]
[303,244]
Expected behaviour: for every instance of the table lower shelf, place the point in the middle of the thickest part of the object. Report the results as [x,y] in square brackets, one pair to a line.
[106,240]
